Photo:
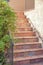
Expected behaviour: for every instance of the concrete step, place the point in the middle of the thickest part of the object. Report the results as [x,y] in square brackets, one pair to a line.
[22,24]
[28,63]
[29,58]
[24,29]
[27,45]
[25,21]
[28,52]
[26,39]
[22,34]
[20,12]
[19,15]
[39,63]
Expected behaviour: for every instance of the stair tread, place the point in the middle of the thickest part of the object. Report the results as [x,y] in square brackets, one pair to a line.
[28,58]
[39,63]
[26,37]
[27,43]
[25,50]
[24,27]
[24,32]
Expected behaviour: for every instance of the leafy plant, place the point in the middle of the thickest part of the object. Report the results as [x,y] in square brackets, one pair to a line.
[6,38]
[7,23]
[2,45]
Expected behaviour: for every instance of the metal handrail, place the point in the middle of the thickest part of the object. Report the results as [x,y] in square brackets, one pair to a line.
[12,44]
[10,51]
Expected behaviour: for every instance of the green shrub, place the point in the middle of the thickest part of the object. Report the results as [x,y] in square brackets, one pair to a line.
[7,23]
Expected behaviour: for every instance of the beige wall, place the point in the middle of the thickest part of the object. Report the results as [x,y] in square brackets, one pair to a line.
[21,5]
[36,16]
[29,4]
[17,5]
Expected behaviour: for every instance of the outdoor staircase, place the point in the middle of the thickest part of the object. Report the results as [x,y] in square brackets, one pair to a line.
[28,49]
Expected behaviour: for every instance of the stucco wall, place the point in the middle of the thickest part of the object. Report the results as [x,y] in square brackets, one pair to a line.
[17,5]
[21,5]
[36,16]
[29,4]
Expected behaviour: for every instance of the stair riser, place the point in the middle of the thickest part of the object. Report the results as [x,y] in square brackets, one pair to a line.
[19,13]
[26,40]
[24,34]
[28,62]
[25,29]
[29,53]
[28,46]
[20,25]
[21,17]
